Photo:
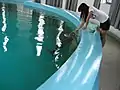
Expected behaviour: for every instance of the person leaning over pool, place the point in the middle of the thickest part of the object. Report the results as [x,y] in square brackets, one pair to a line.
[88,12]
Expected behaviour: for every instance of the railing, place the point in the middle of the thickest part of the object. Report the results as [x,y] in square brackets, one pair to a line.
[66,4]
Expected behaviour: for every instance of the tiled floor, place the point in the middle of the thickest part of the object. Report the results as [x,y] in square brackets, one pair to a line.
[110,69]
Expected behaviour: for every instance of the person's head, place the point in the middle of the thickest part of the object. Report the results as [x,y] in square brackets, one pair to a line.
[84,9]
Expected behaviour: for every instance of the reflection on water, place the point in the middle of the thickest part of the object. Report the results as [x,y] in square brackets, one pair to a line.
[58,43]
[40,35]
[60,29]
[4,18]
[6,39]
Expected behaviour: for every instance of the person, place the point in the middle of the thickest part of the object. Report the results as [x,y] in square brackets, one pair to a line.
[88,12]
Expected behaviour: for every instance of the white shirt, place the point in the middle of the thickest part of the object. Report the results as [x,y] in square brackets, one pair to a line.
[98,14]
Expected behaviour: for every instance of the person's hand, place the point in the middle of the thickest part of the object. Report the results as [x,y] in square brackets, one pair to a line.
[85,27]
[76,31]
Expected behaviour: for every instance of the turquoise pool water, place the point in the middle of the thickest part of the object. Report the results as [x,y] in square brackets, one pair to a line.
[30,47]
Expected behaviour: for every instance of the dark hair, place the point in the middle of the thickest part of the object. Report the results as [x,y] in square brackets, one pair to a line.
[84,9]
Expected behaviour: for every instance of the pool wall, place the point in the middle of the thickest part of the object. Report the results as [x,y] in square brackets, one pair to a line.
[14,1]
[81,70]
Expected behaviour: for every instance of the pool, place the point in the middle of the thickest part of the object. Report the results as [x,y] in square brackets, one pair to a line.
[30,47]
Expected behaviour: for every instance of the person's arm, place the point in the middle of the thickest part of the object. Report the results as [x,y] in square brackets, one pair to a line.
[80,26]
[88,17]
